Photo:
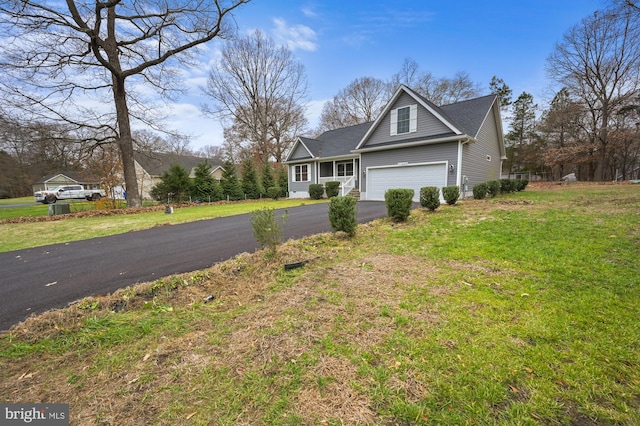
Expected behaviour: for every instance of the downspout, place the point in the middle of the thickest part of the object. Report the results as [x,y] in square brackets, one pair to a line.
[459,165]
[460,181]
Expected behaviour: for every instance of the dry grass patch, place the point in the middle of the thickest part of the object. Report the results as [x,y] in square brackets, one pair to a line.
[243,317]
[431,321]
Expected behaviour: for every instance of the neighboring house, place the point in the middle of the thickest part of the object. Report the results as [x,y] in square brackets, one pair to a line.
[67,178]
[412,144]
[151,165]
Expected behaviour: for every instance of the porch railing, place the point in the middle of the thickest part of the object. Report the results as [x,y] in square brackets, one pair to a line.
[347,183]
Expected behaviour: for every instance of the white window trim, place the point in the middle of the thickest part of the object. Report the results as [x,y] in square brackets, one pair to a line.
[295,175]
[413,120]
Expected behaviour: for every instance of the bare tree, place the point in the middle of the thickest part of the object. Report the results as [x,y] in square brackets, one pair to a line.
[57,54]
[212,152]
[599,61]
[440,91]
[360,102]
[258,88]
[633,4]
[409,75]
[443,91]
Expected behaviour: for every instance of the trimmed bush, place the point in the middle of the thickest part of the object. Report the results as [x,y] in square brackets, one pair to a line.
[451,194]
[507,186]
[493,188]
[430,197]
[343,214]
[274,192]
[332,189]
[480,191]
[521,184]
[399,202]
[316,191]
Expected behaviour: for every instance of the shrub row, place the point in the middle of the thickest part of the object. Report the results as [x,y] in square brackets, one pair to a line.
[317,191]
[430,196]
[493,188]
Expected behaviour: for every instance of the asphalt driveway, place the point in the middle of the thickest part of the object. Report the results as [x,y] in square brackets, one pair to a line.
[35,280]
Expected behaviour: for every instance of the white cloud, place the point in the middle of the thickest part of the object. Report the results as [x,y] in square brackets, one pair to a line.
[294,37]
[314,111]
[309,12]
[189,120]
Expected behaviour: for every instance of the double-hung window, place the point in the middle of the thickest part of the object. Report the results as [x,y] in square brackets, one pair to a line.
[404,120]
[301,173]
[404,115]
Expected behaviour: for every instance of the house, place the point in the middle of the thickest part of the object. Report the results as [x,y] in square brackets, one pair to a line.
[412,144]
[150,166]
[67,178]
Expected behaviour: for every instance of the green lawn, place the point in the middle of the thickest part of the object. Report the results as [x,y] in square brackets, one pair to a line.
[522,309]
[15,236]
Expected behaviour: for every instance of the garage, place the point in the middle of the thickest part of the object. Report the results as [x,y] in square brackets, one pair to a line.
[412,176]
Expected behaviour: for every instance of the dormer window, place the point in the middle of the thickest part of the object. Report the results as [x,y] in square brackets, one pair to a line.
[404,120]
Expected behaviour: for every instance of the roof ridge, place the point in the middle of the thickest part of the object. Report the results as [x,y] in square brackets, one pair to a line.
[469,100]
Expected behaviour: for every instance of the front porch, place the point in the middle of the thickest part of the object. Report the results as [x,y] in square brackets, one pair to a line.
[343,171]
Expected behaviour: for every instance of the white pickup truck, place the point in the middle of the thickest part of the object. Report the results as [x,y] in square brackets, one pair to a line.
[50,196]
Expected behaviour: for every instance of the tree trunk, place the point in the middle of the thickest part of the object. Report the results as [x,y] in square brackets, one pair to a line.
[125,144]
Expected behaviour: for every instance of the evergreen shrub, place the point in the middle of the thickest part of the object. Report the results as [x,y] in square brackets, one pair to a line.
[493,188]
[451,194]
[521,184]
[316,191]
[343,214]
[507,186]
[480,191]
[267,229]
[274,192]
[332,189]
[430,197]
[399,202]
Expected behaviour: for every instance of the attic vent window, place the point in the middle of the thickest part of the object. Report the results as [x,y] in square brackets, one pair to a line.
[488,158]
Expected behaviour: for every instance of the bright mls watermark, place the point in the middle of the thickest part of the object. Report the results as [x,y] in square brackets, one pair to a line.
[34,414]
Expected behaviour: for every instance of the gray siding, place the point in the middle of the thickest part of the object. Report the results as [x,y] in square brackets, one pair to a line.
[299,153]
[302,186]
[474,155]
[428,124]
[413,155]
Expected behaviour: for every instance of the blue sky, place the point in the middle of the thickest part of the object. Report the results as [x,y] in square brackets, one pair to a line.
[339,41]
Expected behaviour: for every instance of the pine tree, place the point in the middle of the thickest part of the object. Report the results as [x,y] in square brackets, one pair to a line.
[498,87]
[523,130]
[205,187]
[268,180]
[175,184]
[231,187]
[250,184]
[283,180]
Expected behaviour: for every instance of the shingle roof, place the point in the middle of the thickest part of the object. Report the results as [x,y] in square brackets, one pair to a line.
[338,142]
[81,177]
[469,115]
[156,163]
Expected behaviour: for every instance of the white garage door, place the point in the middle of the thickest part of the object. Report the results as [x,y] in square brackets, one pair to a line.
[379,180]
